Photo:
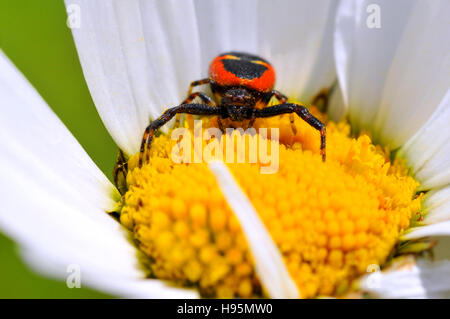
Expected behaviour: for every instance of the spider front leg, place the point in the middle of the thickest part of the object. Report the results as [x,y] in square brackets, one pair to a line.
[120,172]
[204,97]
[191,96]
[301,111]
[197,83]
[320,100]
[195,109]
[282,99]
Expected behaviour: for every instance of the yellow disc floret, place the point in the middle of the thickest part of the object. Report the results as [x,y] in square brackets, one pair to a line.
[331,220]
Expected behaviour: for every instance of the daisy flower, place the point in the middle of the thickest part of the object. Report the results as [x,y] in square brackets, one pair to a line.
[379,203]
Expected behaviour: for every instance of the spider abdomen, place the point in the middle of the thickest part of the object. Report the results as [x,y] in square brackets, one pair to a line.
[235,69]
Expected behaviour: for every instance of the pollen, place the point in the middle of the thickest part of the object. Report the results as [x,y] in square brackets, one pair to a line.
[330,220]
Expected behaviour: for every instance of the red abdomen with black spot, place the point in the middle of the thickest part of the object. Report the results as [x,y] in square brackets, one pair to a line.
[241,69]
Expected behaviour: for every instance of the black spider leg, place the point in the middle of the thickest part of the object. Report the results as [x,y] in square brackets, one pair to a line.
[190,96]
[195,109]
[300,111]
[282,99]
[121,167]
[197,83]
[322,98]
[204,97]
[274,93]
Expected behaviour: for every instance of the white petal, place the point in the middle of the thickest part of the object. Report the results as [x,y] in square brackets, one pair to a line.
[428,151]
[269,263]
[363,55]
[119,286]
[296,36]
[337,108]
[226,26]
[393,77]
[138,58]
[438,229]
[53,196]
[437,206]
[422,280]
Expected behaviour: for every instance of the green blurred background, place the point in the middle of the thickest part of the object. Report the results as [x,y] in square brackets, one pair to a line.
[34,35]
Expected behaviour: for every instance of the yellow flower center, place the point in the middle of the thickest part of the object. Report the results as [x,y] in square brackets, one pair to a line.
[331,221]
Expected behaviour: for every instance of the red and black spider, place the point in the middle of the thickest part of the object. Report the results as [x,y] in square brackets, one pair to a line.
[242,85]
